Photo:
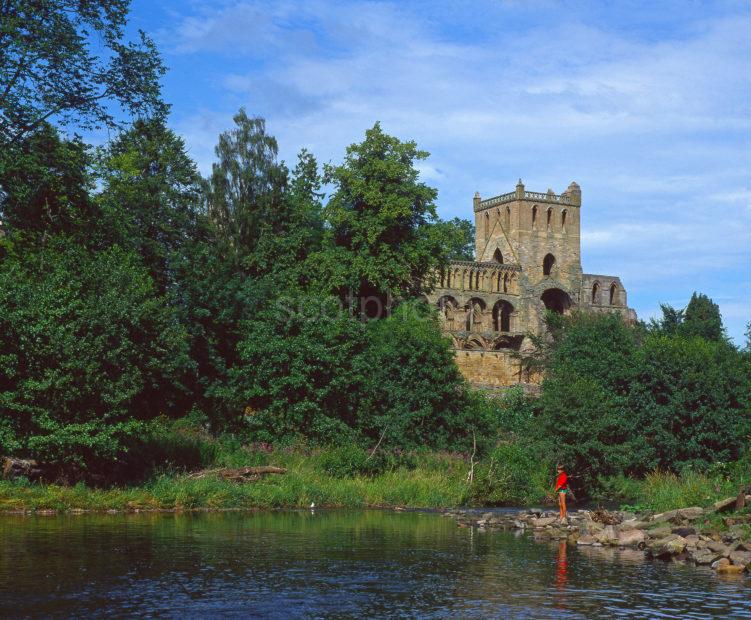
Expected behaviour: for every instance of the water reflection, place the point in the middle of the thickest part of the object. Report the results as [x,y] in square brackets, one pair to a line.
[332,564]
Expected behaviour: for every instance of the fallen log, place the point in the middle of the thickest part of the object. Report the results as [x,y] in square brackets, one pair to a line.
[238,474]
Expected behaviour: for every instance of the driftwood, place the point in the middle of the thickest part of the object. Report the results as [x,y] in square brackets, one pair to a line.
[238,474]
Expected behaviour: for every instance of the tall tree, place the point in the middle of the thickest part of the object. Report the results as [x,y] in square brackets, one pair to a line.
[66,60]
[702,318]
[244,192]
[44,187]
[151,194]
[380,235]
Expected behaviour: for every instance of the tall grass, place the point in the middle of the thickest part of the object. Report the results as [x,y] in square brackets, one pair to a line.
[329,478]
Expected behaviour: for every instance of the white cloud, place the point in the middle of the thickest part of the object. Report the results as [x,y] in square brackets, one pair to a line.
[655,128]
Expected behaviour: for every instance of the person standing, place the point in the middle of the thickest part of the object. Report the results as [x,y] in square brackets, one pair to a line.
[561,490]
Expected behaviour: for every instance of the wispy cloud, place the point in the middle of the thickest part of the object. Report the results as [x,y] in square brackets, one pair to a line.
[649,110]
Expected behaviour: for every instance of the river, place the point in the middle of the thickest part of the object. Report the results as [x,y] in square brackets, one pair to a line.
[333,564]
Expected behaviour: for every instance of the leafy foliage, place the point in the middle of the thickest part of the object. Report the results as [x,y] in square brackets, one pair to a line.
[616,401]
[150,196]
[380,237]
[45,184]
[88,352]
[66,61]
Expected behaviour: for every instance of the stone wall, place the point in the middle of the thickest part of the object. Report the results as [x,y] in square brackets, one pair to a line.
[529,250]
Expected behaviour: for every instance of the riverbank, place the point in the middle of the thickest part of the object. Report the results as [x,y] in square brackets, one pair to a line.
[715,536]
[332,479]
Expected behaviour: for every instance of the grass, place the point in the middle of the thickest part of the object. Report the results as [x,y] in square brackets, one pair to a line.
[430,480]
[661,491]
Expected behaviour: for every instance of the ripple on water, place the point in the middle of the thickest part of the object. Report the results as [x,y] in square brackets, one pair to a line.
[334,564]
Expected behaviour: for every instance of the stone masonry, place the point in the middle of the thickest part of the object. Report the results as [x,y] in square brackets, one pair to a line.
[528,259]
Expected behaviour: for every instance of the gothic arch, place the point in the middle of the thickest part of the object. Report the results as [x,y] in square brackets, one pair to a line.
[596,294]
[534,217]
[549,217]
[556,300]
[613,294]
[475,308]
[547,264]
[502,320]
[498,256]
[563,220]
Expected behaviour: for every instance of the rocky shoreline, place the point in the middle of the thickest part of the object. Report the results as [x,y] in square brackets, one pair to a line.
[672,536]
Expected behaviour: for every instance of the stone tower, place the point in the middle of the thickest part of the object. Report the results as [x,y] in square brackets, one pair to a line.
[528,261]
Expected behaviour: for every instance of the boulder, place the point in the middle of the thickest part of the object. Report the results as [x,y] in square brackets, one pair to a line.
[717,564]
[659,532]
[586,540]
[718,547]
[664,516]
[633,524]
[703,557]
[731,569]
[694,512]
[667,547]
[21,468]
[631,538]
[692,540]
[740,558]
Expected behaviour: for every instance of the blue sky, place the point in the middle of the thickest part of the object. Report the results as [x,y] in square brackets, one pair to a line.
[647,105]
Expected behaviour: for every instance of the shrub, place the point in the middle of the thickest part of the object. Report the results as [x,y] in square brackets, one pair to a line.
[89,352]
[513,474]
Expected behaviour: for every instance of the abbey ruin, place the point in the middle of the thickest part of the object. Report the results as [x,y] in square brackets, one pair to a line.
[528,259]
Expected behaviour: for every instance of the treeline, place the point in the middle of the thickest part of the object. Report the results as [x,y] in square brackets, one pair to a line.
[131,288]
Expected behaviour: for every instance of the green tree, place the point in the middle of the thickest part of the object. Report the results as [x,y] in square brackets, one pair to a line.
[295,376]
[460,239]
[584,417]
[88,352]
[413,393]
[44,187]
[150,196]
[380,236]
[702,318]
[245,190]
[670,322]
[690,402]
[67,61]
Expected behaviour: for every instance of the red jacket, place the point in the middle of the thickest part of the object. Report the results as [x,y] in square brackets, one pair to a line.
[562,481]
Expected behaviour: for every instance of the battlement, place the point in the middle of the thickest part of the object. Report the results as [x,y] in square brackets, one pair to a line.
[572,197]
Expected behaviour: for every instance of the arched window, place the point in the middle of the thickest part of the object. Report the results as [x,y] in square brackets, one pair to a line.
[534,217]
[613,294]
[502,316]
[550,217]
[547,264]
[596,294]
[498,257]
[563,219]
[487,226]
[505,283]
[508,218]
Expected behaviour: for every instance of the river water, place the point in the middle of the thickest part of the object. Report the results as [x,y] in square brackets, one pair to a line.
[334,564]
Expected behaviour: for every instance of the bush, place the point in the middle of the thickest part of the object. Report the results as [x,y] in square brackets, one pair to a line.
[412,390]
[88,354]
[513,474]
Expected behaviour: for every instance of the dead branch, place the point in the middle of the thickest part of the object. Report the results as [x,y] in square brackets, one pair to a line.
[238,474]
[471,474]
